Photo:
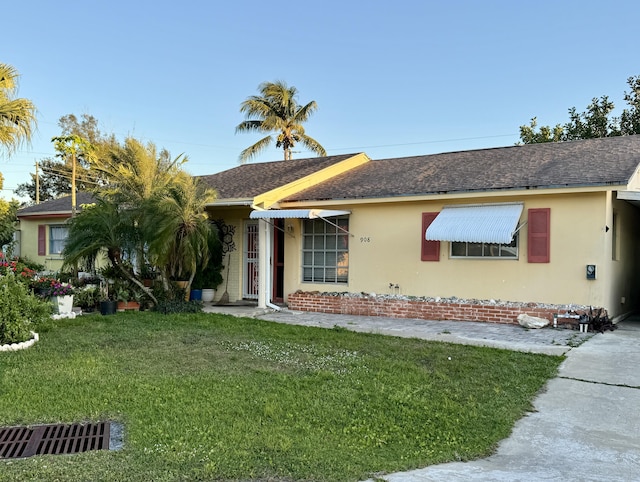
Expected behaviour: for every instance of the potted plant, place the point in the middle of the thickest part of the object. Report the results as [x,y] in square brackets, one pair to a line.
[209,277]
[87,298]
[41,286]
[61,295]
[126,301]
[108,305]
[207,280]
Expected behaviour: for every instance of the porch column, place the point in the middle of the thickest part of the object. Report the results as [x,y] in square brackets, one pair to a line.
[263,263]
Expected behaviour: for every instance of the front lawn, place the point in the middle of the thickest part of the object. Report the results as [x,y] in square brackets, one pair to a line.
[213,397]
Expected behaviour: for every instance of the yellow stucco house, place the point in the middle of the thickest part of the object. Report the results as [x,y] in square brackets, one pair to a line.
[482,234]
[42,229]
[554,223]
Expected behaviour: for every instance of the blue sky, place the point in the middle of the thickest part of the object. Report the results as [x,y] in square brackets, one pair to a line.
[390,79]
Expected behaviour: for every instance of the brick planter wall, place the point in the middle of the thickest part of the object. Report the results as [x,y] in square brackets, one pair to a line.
[427,308]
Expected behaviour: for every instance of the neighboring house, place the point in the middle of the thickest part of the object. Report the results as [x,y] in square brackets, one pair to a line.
[550,223]
[43,230]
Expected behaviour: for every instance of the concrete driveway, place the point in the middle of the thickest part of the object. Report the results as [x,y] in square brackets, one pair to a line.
[586,426]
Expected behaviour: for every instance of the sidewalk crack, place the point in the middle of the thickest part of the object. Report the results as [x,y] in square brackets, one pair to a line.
[622,385]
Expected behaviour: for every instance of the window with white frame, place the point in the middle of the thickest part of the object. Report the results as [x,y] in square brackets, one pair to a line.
[325,250]
[485,250]
[57,238]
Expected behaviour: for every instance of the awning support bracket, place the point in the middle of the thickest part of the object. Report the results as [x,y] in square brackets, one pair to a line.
[334,224]
[277,227]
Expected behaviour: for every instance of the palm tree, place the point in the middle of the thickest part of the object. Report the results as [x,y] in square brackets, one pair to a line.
[137,176]
[17,116]
[276,110]
[102,227]
[179,229]
[135,173]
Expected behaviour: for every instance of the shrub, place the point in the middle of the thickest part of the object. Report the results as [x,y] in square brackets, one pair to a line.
[20,311]
[178,306]
[16,266]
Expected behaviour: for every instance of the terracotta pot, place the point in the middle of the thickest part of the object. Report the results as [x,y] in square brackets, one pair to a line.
[183,285]
[128,305]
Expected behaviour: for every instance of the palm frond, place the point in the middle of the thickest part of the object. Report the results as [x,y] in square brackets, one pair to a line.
[313,145]
[304,112]
[251,151]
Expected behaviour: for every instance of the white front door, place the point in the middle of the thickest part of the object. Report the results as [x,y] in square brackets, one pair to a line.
[250,283]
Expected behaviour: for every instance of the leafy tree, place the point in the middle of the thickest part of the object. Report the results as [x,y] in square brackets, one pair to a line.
[55,173]
[595,122]
[8,220]
[54,180]
[528,134]
[630,118]
[592,123]
[277,111]
[73,148]
[17,116]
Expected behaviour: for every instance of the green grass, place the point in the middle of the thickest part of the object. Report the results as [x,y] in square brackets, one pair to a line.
[212,397]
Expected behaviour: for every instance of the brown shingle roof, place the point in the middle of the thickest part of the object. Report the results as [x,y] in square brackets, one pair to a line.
[57,206]
[592,162]
[249,180]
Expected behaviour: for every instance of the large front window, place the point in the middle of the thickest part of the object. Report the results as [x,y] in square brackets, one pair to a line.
[57,238]
[485,250]
[325,250]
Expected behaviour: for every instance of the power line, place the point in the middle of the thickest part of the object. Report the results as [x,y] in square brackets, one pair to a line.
[423,142]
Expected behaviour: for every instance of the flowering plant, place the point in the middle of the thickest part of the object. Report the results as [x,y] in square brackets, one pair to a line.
[42,285]
[15,266]
[47,287]
[60,289]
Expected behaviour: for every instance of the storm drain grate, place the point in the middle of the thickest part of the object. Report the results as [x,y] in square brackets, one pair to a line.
[55,439]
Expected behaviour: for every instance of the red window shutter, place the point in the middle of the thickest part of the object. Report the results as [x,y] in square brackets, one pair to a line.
[42,240]
[430,249]
[538,250]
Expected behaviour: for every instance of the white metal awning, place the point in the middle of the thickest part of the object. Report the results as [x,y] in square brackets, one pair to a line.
[477,223]
[296,213]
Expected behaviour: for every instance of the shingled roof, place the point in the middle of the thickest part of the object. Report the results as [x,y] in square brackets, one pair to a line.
[61,205]
[593,162]
[249,180]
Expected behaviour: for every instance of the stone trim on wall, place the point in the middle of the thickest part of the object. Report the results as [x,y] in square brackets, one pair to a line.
[451,309]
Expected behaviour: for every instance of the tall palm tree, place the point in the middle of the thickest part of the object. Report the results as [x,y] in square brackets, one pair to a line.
[277,111]
[17,116]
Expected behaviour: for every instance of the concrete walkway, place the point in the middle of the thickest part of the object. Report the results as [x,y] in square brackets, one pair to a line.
[512,337]
[586,423]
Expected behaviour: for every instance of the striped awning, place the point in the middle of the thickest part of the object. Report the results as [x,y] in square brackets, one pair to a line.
[477,223]
[296,213]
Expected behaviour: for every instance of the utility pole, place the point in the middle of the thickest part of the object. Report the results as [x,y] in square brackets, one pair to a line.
[72,145]
[37,185]
[73,183]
